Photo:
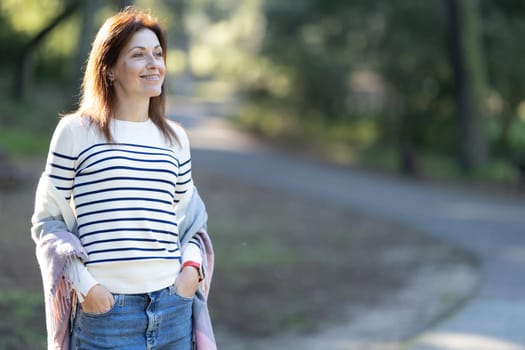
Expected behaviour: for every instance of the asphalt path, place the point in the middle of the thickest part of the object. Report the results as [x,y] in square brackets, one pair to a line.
[491,227]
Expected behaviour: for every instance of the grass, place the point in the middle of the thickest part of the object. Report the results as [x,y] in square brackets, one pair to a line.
[22,321]
[26,126]
[18,141]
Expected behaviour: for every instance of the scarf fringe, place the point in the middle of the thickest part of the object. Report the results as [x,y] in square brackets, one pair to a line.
[61,300]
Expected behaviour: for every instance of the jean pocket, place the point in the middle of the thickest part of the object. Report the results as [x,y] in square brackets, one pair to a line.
[173,292]
[116,298]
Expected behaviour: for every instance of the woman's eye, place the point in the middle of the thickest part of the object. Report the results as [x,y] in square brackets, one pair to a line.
[137,54]
[158,54]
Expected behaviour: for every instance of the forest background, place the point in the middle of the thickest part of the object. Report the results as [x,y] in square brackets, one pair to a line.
[432,88]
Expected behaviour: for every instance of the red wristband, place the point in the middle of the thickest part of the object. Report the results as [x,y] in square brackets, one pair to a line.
[195,265]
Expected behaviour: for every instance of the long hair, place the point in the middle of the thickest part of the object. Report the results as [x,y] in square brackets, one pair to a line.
[98,98]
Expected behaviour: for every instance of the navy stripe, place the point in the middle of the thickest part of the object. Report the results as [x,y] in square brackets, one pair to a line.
[64,188]
[61,177]
[124,189]
[196,243]
[127,168]
[181,192]
[184,182]
[134,229]
[79,170]
[168,154]
[183,164]
[128,239]
[124,144]
[134,159]
[126,209]
[126,219]
[61,167]
[64,156]
[123,199]
[128,151]
[134,258]
[123,178]
[186,172]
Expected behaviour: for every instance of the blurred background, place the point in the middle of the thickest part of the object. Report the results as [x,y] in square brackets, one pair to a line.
[431,90]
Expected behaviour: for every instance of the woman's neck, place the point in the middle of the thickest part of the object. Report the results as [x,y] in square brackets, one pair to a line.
[133,110]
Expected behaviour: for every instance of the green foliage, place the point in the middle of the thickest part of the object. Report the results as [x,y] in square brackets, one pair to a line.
[24,142]
[316,47]
[22,323]
[313,50]
[26,127]
[20,21]
[365,75]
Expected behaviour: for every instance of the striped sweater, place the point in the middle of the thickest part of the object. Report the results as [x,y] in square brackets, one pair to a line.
[127,196]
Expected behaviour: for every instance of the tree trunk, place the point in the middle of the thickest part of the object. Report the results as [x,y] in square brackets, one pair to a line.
[24,69]
[89,8]
[469,75]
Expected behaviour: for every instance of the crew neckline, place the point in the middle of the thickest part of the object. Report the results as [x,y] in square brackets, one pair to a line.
[132,123]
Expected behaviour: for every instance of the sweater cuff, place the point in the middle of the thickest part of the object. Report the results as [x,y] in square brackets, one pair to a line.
[81,278]
[192,252]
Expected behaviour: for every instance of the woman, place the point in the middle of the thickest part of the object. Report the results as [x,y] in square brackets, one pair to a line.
[134,245]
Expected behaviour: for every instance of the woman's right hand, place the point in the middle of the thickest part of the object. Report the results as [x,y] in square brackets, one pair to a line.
[98,300]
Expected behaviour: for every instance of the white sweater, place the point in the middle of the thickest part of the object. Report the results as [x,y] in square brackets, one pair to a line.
[127,196]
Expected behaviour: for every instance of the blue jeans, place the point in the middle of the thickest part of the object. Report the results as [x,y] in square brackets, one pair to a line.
[151,321]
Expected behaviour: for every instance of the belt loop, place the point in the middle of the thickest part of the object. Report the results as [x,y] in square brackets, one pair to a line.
[171,289]
[119,299]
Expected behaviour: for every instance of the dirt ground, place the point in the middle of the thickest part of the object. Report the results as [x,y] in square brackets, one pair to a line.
[285,268]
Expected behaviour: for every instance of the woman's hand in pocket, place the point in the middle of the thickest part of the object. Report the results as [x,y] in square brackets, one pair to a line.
[187,282]
[98,300]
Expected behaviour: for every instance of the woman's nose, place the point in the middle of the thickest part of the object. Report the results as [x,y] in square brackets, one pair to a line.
[151,62]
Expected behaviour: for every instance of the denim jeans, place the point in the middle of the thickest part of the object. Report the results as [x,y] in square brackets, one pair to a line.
[151,321]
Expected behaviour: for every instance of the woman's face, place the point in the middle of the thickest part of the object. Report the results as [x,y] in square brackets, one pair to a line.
[140,69]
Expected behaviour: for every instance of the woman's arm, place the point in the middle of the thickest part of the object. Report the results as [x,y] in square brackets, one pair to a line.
[58,176]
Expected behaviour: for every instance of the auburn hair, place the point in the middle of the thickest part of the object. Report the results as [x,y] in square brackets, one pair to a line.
[97,95]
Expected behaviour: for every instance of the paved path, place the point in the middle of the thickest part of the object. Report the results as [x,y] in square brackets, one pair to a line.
[492,228]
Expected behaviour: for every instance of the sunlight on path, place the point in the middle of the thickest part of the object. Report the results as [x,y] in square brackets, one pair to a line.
[464,341]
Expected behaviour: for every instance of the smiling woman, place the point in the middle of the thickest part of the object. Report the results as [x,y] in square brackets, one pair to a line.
[138,75]
[134,249]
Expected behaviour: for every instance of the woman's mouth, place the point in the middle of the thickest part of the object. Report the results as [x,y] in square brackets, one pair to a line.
[150,76]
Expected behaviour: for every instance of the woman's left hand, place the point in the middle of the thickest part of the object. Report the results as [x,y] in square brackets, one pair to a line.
[187,282]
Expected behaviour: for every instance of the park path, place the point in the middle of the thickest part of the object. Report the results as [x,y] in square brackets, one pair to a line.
[491,227]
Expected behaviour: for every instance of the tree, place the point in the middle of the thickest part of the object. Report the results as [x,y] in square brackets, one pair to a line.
[24,67]
[505,20]
[469,69]
[87,12]
[413,62]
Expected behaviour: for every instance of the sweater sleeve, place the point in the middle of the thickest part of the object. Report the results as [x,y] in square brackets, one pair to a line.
[183,193]
[79,276]
[61,159]
[184,183]
[60,168]
[60,171]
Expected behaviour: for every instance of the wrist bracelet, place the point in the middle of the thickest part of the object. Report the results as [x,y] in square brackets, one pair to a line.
[195,265]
